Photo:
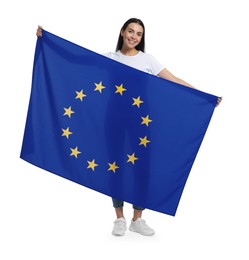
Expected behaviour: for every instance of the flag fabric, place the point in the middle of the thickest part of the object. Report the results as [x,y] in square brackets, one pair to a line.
[112,128]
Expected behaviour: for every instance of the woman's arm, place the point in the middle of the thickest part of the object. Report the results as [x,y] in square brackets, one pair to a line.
[165,74]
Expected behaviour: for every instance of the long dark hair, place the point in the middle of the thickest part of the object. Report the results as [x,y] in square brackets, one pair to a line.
[141,45]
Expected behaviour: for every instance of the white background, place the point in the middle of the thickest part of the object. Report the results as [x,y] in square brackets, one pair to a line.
[203,42]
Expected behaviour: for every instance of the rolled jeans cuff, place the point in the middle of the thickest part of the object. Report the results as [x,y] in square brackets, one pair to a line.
[119,204]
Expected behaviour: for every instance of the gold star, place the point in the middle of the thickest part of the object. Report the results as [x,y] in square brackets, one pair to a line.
[68,112]
[146,120]
[99,87]
[80,95]
[137,101]
[132,158]
[66,132]
[120,89]
[75,151]
[92,164]
[144,141]
[113,167]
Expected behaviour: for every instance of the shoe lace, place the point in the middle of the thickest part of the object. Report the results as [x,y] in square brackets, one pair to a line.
[119,223]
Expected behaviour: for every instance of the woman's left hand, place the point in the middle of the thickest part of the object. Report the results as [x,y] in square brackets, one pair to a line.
[219,101]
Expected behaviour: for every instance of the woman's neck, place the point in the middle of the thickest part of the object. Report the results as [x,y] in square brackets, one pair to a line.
[129,52]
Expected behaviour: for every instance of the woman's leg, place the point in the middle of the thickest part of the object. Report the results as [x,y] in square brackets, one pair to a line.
[118,205]
[137,212]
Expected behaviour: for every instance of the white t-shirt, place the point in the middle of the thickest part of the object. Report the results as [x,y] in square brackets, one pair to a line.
[141,61]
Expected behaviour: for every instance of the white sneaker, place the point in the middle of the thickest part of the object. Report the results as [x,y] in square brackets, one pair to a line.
[119,227]
[141,227]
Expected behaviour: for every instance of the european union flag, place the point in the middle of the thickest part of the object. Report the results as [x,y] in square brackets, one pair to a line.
[112,128]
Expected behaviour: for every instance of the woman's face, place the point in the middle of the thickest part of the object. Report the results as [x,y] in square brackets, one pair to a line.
[132,35]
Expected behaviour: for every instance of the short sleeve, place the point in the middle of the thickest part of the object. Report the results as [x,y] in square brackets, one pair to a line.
[156,66]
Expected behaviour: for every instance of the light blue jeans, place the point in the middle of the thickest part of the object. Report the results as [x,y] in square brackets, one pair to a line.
[119,204]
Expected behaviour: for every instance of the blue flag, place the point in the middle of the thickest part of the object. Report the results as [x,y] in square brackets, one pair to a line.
[112,128]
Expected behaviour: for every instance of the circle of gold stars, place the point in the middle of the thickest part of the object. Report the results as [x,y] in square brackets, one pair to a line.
[75,152]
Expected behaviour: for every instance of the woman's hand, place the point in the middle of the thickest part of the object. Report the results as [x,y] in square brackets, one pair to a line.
[219,101]
[39,31]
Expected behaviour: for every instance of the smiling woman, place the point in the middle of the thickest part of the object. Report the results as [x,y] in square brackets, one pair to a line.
[130,50]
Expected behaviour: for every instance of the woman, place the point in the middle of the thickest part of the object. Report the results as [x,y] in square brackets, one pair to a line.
[130,51]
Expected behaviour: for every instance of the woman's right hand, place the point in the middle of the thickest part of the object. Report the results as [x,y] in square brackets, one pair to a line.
[39,31]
